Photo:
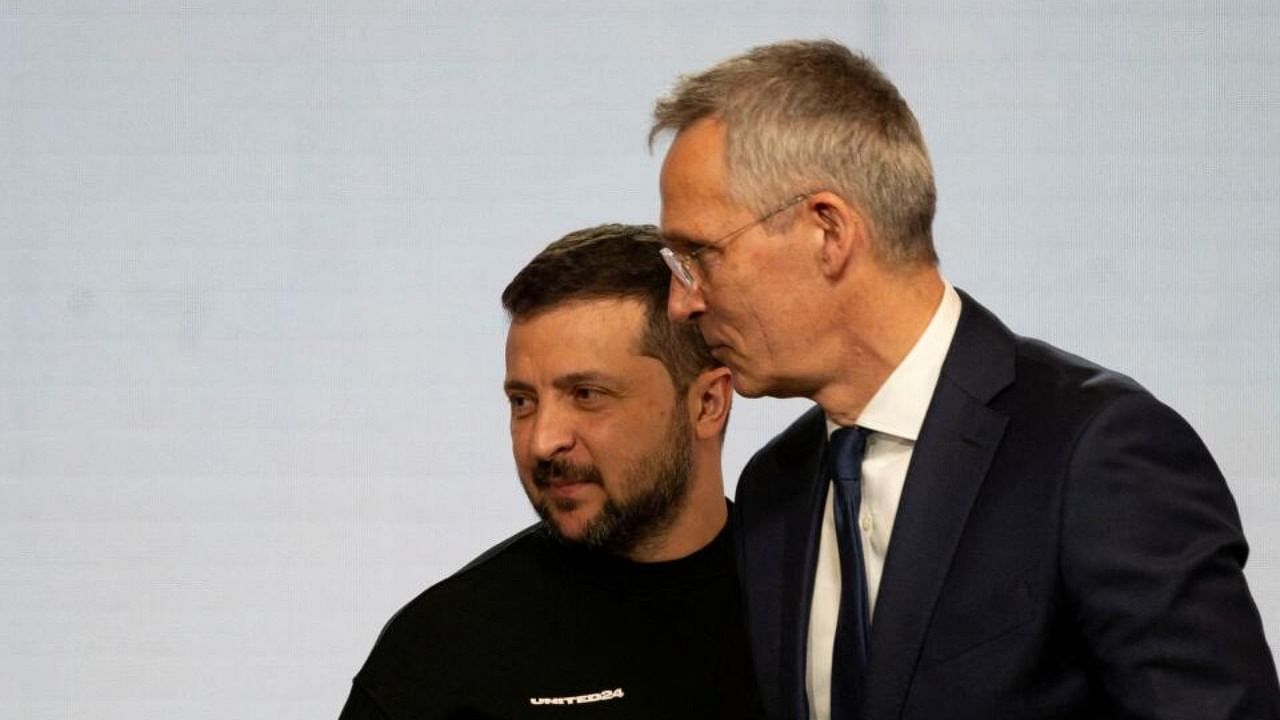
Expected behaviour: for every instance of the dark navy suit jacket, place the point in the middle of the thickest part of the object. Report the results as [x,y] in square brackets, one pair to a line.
[1065,547]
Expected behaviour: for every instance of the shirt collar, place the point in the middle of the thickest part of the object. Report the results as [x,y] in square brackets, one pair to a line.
[899,406]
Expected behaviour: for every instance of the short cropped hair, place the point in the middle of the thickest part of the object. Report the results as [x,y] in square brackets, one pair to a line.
[612,261]
[805,116]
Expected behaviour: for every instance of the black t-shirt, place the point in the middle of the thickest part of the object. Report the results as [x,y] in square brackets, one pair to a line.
[538,629]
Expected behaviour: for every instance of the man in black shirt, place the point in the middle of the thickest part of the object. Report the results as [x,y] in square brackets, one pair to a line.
[623,601]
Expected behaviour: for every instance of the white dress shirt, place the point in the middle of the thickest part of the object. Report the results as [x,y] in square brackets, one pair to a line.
[893,418]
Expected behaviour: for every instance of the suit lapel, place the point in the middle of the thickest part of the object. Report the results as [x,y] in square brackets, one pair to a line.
[948,465]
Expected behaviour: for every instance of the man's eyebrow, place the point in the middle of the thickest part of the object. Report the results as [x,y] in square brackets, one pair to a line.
[587,376]
[511,386]
[675,237]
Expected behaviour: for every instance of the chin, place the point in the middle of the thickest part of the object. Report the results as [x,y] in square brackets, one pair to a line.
[752,387]
[572,524]
[748,386]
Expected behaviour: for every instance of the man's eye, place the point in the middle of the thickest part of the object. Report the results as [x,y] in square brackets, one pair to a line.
[587,395]
[519,403]
[688,249]
[683,248]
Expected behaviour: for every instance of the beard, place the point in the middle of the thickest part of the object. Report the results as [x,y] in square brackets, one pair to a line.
[650,495]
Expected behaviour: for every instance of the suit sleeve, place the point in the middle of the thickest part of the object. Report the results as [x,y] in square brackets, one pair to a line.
[1153,558]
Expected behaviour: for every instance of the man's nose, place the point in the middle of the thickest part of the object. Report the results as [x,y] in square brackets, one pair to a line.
[552,432]
[684,304]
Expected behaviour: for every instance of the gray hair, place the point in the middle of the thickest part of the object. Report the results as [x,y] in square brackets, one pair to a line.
[805,116]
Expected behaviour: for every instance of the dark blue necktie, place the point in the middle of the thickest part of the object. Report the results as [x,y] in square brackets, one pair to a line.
[853,625]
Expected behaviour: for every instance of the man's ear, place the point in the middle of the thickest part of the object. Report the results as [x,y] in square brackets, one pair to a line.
[709,400]
[845,233]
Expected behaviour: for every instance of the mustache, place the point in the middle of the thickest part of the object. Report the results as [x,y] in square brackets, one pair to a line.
[560,469]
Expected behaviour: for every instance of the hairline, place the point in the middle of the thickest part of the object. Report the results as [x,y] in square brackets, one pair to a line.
[717,93]
[643,344]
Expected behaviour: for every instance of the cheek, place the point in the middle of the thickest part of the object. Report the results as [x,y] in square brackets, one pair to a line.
[530,492]
[619,446]
[759,319]
[732,298]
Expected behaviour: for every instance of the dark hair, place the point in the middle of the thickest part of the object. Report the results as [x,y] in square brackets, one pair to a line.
[612,261]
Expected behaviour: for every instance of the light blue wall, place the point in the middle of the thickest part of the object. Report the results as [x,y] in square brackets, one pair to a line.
[250,340]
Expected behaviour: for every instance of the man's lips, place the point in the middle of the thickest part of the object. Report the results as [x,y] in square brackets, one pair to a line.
[566,488]
[713,341]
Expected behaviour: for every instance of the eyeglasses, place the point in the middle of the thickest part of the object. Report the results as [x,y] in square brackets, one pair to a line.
[681,262]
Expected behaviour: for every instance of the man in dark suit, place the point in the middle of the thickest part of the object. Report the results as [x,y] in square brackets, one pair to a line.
[970,524]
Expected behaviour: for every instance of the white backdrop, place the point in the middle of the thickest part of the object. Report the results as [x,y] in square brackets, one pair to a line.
[251,253]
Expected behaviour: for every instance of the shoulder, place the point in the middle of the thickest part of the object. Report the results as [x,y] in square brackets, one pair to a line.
[504,564]
[779,469]
[1052,374]
[805,434]
[801,441]
[1022,375]
[1096,425]
[440,624]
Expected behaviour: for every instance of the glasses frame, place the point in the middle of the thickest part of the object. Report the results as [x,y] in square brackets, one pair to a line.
[681,262]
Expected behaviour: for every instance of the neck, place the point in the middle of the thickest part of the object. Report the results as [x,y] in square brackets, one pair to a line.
[881,320]
[699,520]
